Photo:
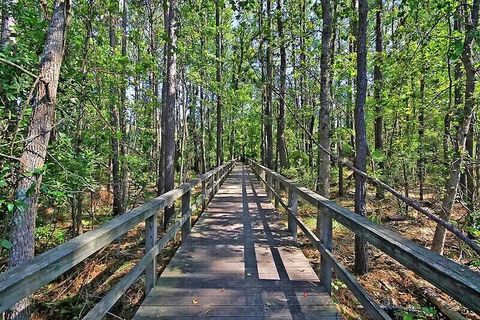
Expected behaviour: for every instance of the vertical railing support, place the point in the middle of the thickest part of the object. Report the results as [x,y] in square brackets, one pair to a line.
[269,182]
[186,212]
[151,225]
[204,195]
[325,227]
[277,190]
[293,205]
[212,184]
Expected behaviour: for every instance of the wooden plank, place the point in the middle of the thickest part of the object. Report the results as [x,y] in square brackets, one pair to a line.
[186,214]
[21,281]
[151,232]
[373,309]
[238,257]
[456,280]
[122,286]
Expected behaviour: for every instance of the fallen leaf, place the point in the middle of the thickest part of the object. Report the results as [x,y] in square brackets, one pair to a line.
[194,301]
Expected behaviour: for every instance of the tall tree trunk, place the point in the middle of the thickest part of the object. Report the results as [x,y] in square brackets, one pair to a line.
[421,137]
[170,105]
[268,102]
[22,232]
[462,132]
[323,172]
[281,147]
[117,183]
[361,147]
[161,165]
[469,172]
[218,55]
[378,80]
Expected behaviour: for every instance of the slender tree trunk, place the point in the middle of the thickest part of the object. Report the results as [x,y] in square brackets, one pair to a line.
[469,172]
[361,147]
[378,79]
[268,102]
[421,138]
[170,105]
[323,173]
[32,160]
[438,242]
[161,165]
[281,147]
[218,41]
[117,183]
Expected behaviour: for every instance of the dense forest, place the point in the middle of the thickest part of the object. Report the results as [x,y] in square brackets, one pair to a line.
[106,104]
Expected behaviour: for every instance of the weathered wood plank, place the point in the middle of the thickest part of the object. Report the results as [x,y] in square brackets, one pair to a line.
[23,280]
[238,261]
[456,280]
[122,286]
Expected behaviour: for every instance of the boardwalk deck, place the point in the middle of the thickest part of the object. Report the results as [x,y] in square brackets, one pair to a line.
[238,262]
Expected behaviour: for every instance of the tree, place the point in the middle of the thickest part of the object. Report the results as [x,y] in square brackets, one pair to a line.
[361,147]
[218,55]
[8,23]
[170,105]
[22,233]
[377,79]
[471,16]
[323,179]
[281,147]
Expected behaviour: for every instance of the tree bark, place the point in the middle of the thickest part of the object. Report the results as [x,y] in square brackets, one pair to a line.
[378,80]
[22,232]
[323,172]
[361,147]
[281,146]
[268,102]
[438,242]
[170,105]
[8,23]
[218,53]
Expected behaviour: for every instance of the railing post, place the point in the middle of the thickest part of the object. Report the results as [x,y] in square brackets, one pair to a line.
[212,184]
[151,225]
[186,212]
[324,227]
[277,190]
[204,195]
[269,183]
[293,205]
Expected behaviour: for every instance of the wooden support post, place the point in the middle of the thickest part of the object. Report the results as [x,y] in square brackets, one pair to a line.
[204,195]
[269,182]
[277,190]
[325,227]
[293,205]
[151,225]
[186,212]
[212,183]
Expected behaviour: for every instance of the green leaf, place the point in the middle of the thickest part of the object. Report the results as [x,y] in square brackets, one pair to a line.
[10,207]
[4,243]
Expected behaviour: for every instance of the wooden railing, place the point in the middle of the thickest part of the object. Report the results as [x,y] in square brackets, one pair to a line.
[456,280]
[21,281]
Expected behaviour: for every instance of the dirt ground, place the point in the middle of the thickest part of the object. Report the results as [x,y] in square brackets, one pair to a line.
[388,281]
[77,291]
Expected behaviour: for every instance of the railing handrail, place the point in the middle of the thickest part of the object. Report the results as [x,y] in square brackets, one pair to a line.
[456,280]
[21,281]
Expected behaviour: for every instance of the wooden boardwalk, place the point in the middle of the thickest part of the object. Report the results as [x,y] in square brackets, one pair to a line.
[238,262]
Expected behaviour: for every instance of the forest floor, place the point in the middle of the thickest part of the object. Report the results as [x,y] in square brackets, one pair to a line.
[77,291]
[388,281]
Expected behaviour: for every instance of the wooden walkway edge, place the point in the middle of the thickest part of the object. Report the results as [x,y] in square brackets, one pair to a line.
[238,262]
